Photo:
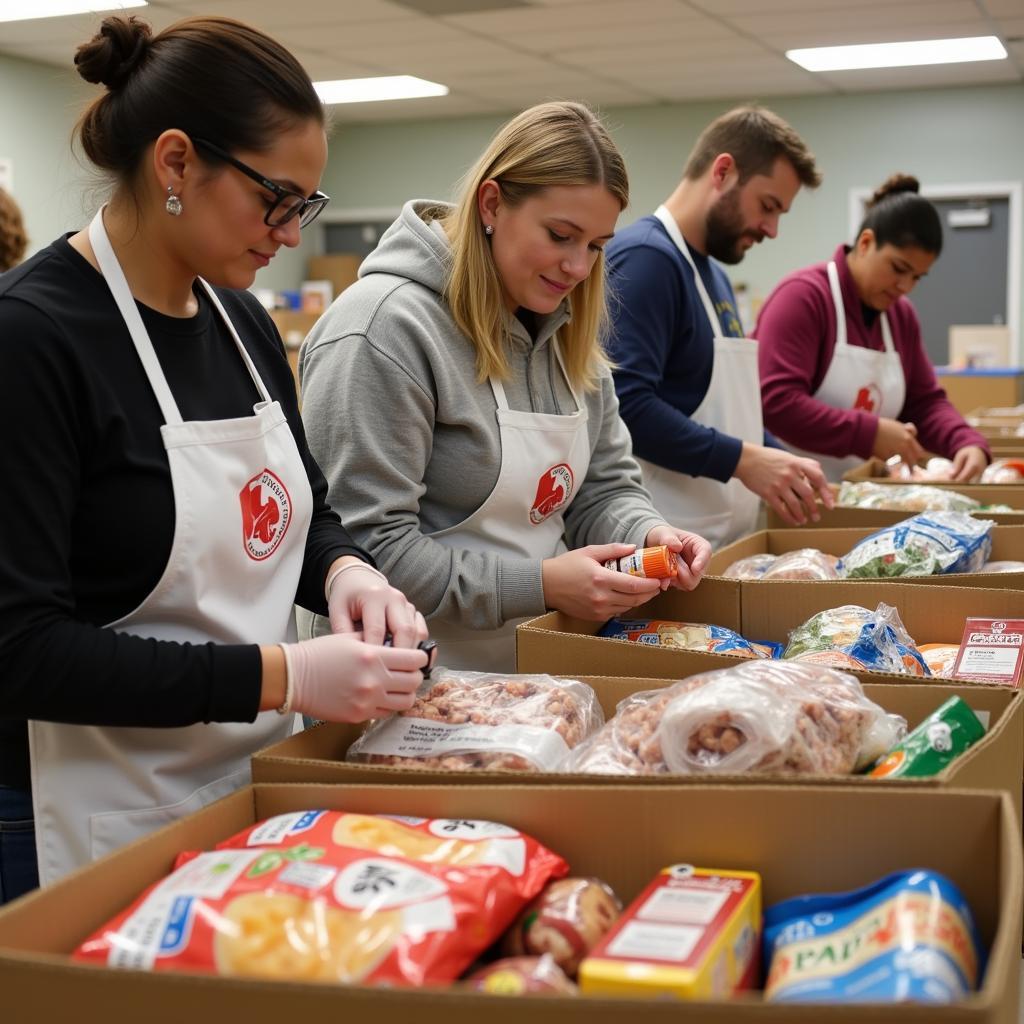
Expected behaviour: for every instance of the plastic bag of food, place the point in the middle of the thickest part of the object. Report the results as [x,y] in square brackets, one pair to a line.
[753,567]
[900,498]
[1003,471]
[804,564]
[940,658]
[566,921]
[688,636]
[929,544]
[1002,566]
[936,470]
[873,639]
[463,721]
[334,897]
[522,975]
[757,717]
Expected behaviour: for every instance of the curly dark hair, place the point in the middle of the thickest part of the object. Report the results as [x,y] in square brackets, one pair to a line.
[13,240]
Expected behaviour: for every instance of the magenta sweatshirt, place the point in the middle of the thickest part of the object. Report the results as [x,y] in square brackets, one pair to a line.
[796,329]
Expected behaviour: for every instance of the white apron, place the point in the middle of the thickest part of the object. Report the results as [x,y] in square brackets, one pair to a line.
[858,378]
[242,510]
[719,512]
[544,460]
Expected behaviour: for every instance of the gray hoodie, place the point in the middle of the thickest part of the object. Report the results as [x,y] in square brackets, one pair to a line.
[409,442]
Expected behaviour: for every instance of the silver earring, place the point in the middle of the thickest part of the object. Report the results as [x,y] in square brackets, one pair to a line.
[488,229]
[173,205]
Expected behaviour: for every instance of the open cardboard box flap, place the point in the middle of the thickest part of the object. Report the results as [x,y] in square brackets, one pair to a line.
[801,839]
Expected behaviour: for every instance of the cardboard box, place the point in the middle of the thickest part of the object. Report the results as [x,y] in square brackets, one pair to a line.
[340,268]
[875,518]
[1007,544]
[989,494]
[561,645]
[967,389]
[995,762]
[624,835]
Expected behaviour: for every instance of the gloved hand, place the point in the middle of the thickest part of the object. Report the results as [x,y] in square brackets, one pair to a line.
[342,679]
[360,599]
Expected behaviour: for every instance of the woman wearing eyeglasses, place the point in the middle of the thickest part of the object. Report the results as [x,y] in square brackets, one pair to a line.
[162,511]
[461,404]
[844,373]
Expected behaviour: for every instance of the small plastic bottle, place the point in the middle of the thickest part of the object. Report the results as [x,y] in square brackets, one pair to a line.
[658,563]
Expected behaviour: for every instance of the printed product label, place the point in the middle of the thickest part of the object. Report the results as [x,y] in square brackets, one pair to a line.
[282,827]
[645,940]
[419,737]
[380,883]
[679,906]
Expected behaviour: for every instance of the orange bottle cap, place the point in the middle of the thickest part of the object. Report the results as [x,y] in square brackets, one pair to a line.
[659,562]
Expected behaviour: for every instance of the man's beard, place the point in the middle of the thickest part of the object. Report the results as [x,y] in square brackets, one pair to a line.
[725,230]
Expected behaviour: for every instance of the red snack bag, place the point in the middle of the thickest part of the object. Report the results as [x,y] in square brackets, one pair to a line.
[331,896]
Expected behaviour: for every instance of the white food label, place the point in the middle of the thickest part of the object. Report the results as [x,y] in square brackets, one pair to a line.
[432,916]
[683,906]
[420,737]
[276,830]
[646,941]
[991,661]
[161,925]
[305,875]
[378,884]
[470,828]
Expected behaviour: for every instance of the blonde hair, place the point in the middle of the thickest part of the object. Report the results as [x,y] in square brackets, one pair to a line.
[13,240]
[548,145]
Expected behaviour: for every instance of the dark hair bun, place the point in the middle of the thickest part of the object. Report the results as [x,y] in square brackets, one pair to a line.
[895,184]
[114,52]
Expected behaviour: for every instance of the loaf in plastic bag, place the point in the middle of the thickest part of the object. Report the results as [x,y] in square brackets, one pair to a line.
[1003,471]
[940,658]
[936,469]
[1002,566]
[462,721]
[929,544]
[757,717]
[899,498]
[688,636]
[854,637]
[334,897]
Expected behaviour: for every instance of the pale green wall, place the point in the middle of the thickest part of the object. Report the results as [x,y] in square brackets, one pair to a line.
[942,136]
[39,105]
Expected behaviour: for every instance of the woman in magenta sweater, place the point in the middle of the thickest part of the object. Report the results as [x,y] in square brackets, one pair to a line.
[844,374]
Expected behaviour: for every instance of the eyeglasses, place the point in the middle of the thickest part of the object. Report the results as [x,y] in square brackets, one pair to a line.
[287,205]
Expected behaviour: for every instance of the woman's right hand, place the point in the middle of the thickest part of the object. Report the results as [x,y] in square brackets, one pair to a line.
[578,584]
[896,438]
[342,679]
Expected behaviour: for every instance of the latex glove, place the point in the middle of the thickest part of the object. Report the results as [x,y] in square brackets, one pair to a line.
[969,463]
[342,679]
[693,552]
[360,600]
[578,584]
[791,484]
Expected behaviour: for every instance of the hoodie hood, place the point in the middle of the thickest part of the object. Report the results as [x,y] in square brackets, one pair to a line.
[412,247]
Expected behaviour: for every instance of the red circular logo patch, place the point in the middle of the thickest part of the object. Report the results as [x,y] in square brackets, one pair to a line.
[553,491]
[266,513]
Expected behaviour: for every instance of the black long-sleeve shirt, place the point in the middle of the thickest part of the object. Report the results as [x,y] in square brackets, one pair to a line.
[87,504]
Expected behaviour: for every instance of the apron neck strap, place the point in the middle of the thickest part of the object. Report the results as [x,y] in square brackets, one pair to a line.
[499,389]
[676,235]
[112,273]
[840,308]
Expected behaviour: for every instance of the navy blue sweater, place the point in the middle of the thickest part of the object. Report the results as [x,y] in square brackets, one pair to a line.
[662,345]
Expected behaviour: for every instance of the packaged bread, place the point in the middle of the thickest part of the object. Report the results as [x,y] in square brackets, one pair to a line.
[522,975]
[1003,471]
[564,922]
[758,717]
[875,640]
[326,896]
[688,636]
[463,721]
[925,545]
[940,658]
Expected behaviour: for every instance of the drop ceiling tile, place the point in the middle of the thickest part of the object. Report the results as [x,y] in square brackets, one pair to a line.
[279,13]
[933,76]
[1003,8]
[324,67]
[436,62]
[732,8]
[539,20]
[352,38]
[725,53]
[605,37]
[882,16]
[425,109]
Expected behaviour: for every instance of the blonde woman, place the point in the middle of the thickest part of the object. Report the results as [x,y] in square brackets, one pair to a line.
[460,404]
[13,240]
